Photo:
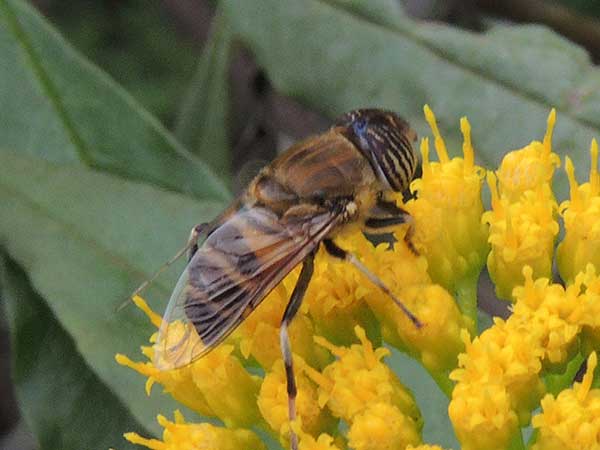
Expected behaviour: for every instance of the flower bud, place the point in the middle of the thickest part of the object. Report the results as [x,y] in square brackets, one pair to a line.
[447,211]
[581,215]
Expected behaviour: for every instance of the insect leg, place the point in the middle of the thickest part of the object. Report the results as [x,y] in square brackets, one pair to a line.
[192,243]
[190,248]
[334,250]
[386,214]
[286,349]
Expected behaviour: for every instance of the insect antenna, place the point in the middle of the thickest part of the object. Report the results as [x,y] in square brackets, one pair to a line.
[189,249]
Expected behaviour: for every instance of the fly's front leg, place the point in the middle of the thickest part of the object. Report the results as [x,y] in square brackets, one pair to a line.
[386,215]
[190,248]
[286,349]
[334,250]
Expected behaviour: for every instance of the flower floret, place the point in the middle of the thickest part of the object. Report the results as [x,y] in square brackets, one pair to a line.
[581,216]
[179,435]
[571,420]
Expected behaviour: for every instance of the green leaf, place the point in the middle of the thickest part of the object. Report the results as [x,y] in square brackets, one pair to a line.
[64,402]
[433,403]
[202,124]
[153,59]
[57,105]
[506,80]
[86,240]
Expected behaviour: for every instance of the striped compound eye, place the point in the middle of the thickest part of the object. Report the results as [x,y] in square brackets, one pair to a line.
[385,139]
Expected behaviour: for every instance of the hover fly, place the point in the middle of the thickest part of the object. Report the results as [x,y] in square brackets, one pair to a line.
[301,200]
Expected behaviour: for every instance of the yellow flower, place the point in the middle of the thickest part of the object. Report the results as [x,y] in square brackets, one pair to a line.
[273,402]
[228,388]
[522,222]
[572,419]
[482,416]
[382,426]
[359,378]
[181,435]
[589,313]
[216,385]
[581,215]
[436,344]
[178,382]
[447,212]
[551,313]
[530,167]
[323,442]
[521,233]
[504,357]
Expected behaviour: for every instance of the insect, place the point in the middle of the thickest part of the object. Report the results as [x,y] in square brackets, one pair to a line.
[301,200]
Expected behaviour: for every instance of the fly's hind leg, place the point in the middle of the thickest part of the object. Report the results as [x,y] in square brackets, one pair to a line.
[334,250]
[286,349]
[385,215]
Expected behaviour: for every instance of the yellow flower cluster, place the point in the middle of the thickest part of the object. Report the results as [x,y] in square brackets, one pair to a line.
[522,221]
[436,344]
[360,389]
[348,397]
[501,375]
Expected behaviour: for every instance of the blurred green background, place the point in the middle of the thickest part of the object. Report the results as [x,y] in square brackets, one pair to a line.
[124,123]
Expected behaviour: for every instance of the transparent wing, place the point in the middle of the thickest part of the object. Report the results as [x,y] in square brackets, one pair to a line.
[230,274]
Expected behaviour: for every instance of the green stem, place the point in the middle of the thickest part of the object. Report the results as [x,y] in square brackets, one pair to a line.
[516,442]
[466,296]
[557,383]
[532,438]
